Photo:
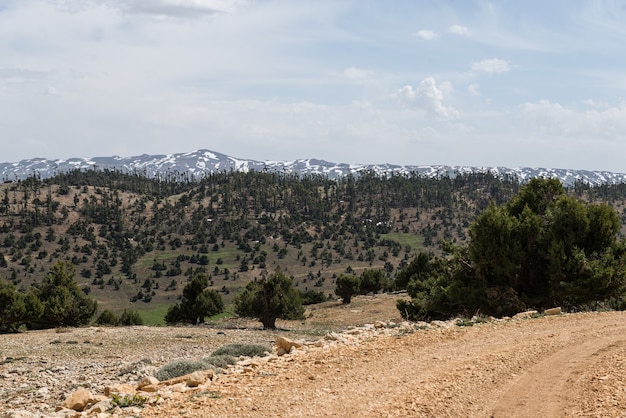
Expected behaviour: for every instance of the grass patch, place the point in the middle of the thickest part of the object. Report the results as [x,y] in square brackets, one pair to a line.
[154,314]
[464,322]
[413,240]
[147,261]
[229,312]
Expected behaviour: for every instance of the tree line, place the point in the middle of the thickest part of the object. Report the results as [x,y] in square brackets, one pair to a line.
[542,249]
[484,238]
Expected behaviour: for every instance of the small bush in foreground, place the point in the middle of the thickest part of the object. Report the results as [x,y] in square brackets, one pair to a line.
[240,349]
[127,400]
[220,361]
[179,368]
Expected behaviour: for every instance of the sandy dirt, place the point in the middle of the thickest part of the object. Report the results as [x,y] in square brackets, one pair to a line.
[570,365]
[552,366]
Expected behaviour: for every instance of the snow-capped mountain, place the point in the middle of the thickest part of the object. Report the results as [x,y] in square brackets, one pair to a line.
[201,162]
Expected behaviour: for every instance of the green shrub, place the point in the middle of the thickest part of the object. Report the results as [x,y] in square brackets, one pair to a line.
[179,368]
[107,318]
[64,303]
[129,317]
[310,297]
[220,361]
[240,349]
[124,401]
[17,308]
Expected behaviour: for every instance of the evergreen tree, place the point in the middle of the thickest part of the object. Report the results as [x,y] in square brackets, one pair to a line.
[197,303]
[129,317]
[346,287]
[372,281]
[107,318]
[64,303]
[544,248]
[17,309]
[269,299]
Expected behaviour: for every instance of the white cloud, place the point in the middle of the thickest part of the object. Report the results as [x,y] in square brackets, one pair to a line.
[492,65]
[474,89]
[596,104]
[174,8]
[356,74]
[272,78]
[427,35]
[557,120]
[459,30]
[52,91]
[429,98]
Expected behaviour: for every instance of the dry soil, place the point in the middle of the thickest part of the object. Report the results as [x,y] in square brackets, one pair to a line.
[551,366]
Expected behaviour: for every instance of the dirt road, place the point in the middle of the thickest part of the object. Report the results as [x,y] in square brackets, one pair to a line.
[568,365]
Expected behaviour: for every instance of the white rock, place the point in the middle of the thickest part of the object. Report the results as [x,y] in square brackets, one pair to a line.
[195,379]
[100,407]
[287,344]
[553,311]
[18,414]
[147,381]
[525,315]
[78,400]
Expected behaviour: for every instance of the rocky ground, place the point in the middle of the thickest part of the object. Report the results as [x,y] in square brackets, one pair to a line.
[355,360]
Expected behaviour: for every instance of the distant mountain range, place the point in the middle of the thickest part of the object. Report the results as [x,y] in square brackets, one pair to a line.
[201,162]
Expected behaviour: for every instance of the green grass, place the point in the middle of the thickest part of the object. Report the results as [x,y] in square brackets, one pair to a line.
[413,240]
[154,314]
[147,261]
[229,311]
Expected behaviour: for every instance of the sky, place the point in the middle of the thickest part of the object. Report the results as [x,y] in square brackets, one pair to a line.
[410,82]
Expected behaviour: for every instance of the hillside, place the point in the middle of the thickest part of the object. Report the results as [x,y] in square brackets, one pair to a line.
[136,240]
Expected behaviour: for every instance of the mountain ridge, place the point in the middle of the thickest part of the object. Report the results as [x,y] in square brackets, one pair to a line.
[203,162]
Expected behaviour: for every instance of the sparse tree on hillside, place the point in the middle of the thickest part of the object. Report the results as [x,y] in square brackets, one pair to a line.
[107,317]
[64,303]
[129,317]
[372,281]
[346,287]
[270,299]
[197,303]
[17,309]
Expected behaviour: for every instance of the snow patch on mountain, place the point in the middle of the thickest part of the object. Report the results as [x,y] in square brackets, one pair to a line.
[198,163]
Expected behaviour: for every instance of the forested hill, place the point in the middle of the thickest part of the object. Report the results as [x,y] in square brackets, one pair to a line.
[137,240]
